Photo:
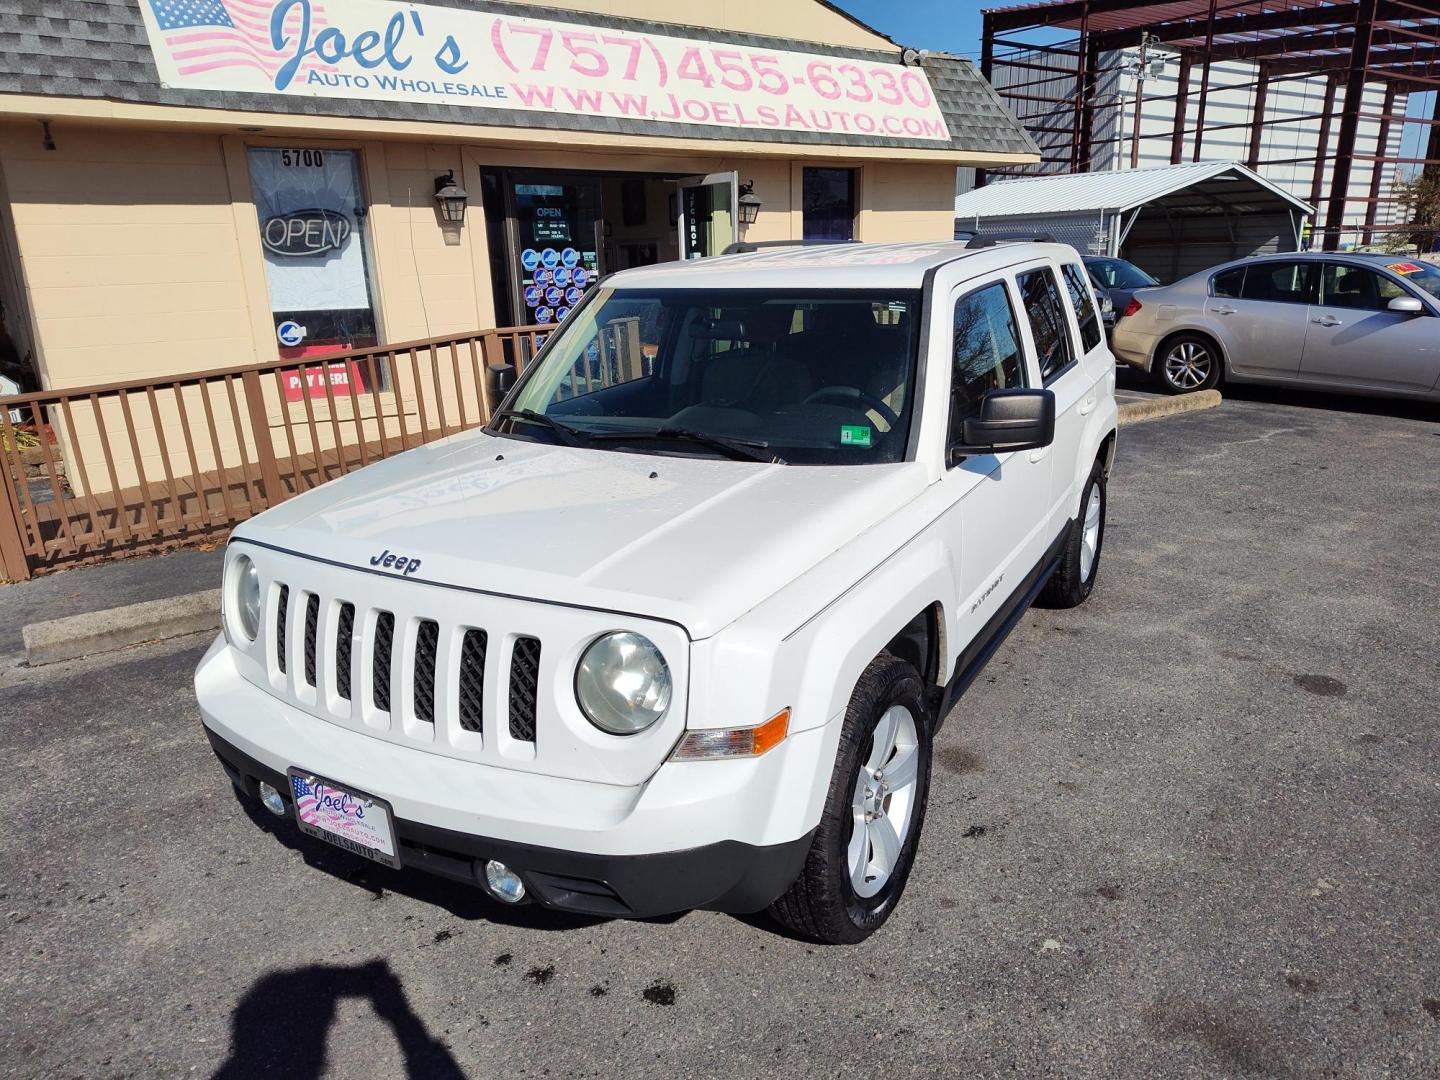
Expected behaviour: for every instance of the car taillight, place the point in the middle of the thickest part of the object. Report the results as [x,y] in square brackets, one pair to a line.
[1132,308]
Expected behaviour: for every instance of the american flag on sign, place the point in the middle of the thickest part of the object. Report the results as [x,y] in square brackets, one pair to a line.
[203,35]
[304,795]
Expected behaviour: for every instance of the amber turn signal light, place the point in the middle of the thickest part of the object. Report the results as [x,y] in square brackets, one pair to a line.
[721,744]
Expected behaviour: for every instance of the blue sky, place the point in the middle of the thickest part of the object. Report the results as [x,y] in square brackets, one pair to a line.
[948,25]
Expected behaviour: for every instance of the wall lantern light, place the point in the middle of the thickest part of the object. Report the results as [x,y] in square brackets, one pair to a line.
[451,199]
[749,203]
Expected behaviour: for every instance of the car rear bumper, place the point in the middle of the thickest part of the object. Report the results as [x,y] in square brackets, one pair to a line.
[1130,347]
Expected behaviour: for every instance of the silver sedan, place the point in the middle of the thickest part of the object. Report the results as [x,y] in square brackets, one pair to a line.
[1361,323]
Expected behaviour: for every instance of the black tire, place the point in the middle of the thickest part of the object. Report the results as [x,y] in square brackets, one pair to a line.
[1187,363]
[1070,584]
[823,903]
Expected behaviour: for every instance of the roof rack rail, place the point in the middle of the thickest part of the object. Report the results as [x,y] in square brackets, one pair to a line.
[1010,238]
[744,247]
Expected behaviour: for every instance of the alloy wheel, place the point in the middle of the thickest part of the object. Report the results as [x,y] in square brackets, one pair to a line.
[1188,365]
[1090,535]
[883,802]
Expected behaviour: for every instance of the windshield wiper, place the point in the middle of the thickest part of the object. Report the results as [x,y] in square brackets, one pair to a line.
[571,436]
[737,449]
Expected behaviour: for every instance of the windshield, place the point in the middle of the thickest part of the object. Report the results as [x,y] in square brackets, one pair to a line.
[806,377]
[1119,274]
[1422,275]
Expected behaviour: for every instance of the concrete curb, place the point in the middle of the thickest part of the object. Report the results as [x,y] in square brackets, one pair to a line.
[1135,411]
[104,631]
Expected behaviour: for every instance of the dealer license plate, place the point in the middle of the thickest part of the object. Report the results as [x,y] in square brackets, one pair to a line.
[349,819]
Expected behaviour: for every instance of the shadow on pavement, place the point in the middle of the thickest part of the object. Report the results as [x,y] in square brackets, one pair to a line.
[1400,408]
[281,1024]
[464,902]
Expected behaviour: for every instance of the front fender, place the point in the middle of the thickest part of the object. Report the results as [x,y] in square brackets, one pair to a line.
[766,662]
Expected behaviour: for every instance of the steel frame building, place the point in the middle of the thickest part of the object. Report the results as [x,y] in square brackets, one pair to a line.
[1364,52]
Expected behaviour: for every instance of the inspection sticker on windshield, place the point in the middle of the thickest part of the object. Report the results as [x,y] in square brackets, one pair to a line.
[1405,267]
[854,435]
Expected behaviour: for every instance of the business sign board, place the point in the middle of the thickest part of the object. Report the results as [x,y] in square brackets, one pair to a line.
[305,233]
[336,378]
[420,54]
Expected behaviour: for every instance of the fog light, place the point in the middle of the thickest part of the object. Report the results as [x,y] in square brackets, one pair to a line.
[272,799]
[504,884]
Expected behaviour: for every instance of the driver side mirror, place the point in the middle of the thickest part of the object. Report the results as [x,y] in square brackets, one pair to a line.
[1406,305]
[1019,419]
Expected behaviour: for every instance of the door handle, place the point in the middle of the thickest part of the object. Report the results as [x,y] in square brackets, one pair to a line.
[1329,320]
[1087,406]
[1224,310]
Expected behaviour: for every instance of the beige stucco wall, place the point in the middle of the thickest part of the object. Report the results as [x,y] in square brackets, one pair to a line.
[140,252]
[128,252]
[797,20]
[139,257]
[906,202]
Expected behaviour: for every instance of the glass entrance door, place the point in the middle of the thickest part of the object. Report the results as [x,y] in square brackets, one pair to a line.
[556,243]
[708,218]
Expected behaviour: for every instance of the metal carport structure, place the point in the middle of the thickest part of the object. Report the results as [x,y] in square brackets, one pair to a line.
[1389,45]
[1172,220]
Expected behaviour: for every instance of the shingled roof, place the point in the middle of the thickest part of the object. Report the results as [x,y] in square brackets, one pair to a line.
[99,49]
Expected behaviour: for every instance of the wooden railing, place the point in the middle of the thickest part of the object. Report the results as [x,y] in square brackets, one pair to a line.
[118,468]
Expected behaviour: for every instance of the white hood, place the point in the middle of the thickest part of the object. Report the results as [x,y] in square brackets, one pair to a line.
[696,541]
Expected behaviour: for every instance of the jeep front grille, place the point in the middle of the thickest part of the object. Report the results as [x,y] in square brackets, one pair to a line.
[524,684]
[384,638]
[312,625]
[282,609]
[344,635]
[426,640]
[472,680]
[408,655]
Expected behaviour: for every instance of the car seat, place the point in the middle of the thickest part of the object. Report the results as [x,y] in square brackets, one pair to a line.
[755,373]
[1354,290]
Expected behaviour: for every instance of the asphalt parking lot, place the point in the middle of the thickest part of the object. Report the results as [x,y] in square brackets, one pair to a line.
[1185,830]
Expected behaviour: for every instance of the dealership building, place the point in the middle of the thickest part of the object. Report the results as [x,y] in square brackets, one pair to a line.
[196,184]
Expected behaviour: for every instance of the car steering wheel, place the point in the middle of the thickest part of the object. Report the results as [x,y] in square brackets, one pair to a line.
[849,394]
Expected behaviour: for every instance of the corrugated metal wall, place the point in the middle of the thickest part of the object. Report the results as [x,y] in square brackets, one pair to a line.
[1176,247]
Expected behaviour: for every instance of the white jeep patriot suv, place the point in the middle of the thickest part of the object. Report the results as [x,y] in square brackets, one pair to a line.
[676,629]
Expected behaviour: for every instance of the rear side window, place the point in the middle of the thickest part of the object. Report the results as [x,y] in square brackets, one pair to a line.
[1085,313]
[986,353]
[1231,283]
[1040,293]
[1280,282]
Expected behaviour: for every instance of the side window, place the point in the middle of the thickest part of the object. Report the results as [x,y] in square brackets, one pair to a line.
[986,353]
[1040,293]
[1230,284]
[1355,287]
[1085,314]
[1280,282]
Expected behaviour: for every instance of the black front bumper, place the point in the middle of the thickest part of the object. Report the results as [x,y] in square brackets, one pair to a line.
[728,876]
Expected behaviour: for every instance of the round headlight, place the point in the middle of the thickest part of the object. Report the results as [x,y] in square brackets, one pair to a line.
[245,594]
[623,683]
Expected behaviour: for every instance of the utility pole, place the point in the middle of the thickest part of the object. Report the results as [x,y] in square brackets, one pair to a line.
[1142,68]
